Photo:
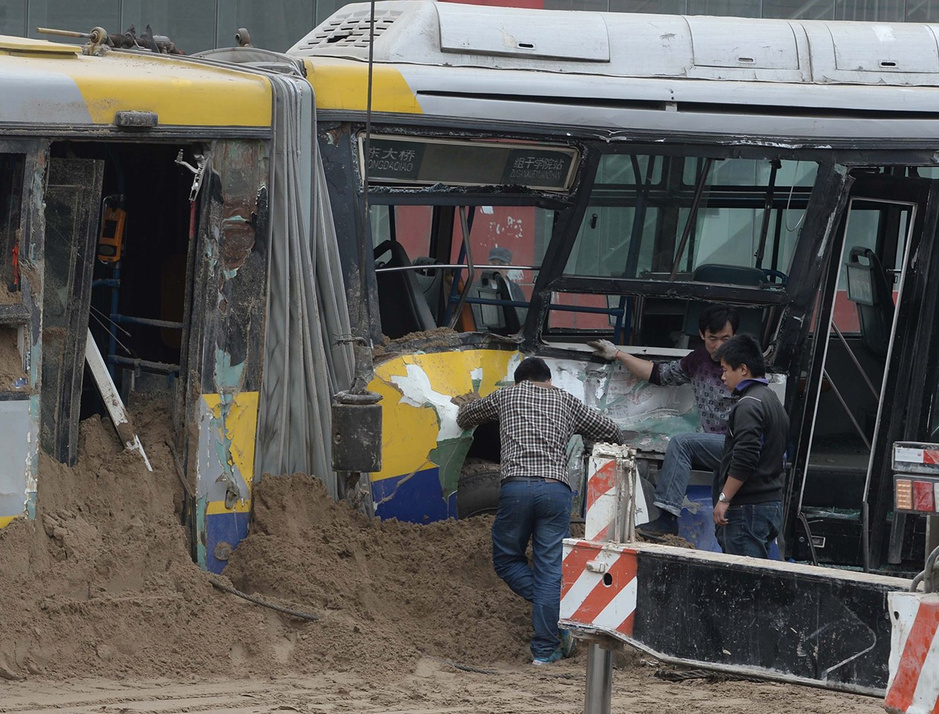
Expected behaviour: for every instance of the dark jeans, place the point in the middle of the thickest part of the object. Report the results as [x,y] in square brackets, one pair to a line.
[751,528]
[539,511]
[684,452]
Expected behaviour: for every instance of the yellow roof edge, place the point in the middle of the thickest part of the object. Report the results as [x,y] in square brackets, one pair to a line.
[25,45]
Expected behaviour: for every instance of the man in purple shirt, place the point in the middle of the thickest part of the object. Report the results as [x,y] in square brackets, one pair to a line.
[703,450]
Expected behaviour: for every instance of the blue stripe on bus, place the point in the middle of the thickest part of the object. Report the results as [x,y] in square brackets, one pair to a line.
[413,498]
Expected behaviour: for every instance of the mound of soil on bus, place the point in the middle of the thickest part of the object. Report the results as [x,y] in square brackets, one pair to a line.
[101,582]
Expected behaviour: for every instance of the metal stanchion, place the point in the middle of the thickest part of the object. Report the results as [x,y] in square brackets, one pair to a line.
[599,686]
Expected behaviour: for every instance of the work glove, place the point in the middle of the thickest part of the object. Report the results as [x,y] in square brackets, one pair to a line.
[604,348]
[461,399]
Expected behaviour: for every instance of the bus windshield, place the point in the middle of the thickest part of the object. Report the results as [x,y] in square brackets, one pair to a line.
[656,218]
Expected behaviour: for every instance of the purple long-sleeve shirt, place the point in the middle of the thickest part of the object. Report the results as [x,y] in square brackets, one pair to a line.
[711,397]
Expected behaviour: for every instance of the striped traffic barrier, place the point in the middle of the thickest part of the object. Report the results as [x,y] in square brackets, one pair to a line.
[599,587]
[913,687]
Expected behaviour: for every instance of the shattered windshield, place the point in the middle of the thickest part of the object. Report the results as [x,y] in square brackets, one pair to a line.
[664,217]
[655,218]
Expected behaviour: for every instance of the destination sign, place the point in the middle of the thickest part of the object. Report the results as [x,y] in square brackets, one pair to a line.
[420,161]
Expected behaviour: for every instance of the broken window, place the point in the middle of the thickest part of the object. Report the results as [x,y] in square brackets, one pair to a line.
[11,196]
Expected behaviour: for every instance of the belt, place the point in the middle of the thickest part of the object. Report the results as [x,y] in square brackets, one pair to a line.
[538,479]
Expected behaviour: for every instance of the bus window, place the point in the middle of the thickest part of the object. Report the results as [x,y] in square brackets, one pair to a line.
[507,244]
[662,218]
[682,219]
[11,191]
[868,228]
[419,250]
[408,225]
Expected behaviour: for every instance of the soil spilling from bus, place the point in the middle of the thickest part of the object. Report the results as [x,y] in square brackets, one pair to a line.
[101,585]
[101,582]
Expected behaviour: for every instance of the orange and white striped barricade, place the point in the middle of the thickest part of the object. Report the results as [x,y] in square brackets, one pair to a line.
[913,687]
[599,587]
[598,590]
[613,494]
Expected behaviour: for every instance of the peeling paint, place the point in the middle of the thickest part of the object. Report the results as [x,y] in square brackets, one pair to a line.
[476,377]
[417,391]
[228,379]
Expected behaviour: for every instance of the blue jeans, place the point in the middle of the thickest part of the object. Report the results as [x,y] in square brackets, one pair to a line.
[539,511]
[751,528]
[685,451]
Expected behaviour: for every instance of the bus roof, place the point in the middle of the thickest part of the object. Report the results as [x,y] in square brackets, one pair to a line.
[46,83]
[632,44]
[629,75]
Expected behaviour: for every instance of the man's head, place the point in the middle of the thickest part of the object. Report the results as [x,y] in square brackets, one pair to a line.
[716,325]
[532,369]
[741,358]
[500,256]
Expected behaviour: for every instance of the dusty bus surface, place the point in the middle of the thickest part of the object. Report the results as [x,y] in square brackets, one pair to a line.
[157,215]
[535,180]
[264,230]
[575,184]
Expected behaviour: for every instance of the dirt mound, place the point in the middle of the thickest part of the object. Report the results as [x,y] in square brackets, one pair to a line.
[101,582]
[388,591]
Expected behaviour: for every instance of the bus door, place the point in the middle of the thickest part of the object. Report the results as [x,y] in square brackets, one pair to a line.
[861,372]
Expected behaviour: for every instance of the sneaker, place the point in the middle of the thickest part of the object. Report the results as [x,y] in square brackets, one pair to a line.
[568,643]
[665,524]
[553,657]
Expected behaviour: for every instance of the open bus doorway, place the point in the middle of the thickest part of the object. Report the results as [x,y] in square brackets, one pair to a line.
[117,249]
[860,377]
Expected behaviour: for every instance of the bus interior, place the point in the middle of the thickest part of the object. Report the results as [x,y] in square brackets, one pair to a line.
[635,246]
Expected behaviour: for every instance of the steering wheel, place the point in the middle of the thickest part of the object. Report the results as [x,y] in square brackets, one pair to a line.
[770,273]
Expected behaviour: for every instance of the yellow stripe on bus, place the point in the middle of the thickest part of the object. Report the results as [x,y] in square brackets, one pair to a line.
[180,93]
[345,86]
[241,426]
[411,432]
[215,508]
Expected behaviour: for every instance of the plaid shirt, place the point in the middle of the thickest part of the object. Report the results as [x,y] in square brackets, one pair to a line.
[536,424]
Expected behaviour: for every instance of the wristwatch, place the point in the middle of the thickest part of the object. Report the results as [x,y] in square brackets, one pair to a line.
[723,499]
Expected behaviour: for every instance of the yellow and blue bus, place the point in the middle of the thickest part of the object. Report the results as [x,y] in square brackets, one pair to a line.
[408,206]
[536,179]
[163,207]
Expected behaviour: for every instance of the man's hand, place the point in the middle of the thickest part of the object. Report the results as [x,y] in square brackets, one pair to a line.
[462,399]
[720,513]
[605,349]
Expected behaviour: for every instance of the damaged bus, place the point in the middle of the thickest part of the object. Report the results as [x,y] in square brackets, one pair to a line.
[271,231]
[534,180]
[158,217]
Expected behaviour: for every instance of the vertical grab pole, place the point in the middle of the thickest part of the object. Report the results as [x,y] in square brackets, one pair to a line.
[599,686]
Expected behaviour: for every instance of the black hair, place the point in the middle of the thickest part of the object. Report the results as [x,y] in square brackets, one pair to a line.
[713,318]
[532,369]
[743,349]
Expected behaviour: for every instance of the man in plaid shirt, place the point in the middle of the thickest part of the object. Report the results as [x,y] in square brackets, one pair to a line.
[536,422]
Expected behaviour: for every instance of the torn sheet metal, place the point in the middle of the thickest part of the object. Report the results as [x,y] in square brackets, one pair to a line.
[424,448]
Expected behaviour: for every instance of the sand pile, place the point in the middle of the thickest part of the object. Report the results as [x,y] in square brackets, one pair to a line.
[388,591]
[101,582]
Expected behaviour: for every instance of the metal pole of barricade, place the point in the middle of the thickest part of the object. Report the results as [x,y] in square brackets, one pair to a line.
[598,690]
[599,686]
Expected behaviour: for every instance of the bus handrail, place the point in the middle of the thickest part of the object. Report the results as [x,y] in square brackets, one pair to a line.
[453,266]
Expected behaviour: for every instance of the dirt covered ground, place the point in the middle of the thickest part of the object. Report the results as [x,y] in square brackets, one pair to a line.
[103,610]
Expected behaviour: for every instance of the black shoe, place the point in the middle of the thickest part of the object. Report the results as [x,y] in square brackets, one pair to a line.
[665,524]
